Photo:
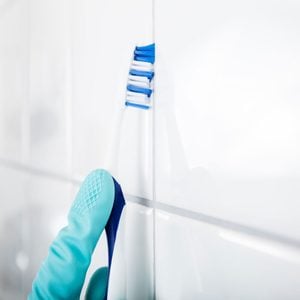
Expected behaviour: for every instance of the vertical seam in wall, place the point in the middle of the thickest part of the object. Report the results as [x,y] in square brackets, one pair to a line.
[69,91]
[154,159]
[25,131]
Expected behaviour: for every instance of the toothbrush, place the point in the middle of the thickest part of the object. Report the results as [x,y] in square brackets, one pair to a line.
[138,95]
[139,92]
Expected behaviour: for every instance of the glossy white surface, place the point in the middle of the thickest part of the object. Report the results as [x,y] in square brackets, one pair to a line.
[63,86]
[13,76]
[132,268]
[49,79]
[195,260]
[104,134]
[227,125]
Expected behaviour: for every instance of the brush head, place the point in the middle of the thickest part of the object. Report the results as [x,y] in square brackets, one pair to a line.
[141,73]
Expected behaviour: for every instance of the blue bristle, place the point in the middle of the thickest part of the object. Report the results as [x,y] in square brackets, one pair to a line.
[148,74]
[140,90]
[142,106]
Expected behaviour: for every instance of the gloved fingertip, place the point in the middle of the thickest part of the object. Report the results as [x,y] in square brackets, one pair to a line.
[97,286]
[96,189]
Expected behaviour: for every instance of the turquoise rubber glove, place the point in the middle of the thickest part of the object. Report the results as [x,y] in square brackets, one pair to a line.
[62,274]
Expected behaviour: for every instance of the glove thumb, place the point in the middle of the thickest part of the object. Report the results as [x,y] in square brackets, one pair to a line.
[98,285]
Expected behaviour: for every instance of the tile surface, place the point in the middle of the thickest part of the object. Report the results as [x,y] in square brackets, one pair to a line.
[14,62]
[50,84]
[227,126]
[195,260]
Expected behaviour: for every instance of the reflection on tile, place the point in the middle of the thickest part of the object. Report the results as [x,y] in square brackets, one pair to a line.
[13,75]
[132,269]
[195,260]
[50,135]
[227,123]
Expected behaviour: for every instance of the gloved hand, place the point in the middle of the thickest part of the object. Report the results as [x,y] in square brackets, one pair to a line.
[62,274]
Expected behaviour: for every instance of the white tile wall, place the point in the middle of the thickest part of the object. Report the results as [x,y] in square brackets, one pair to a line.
[50,84]
[195,260]
[227,126]
[13,75]
[227,146]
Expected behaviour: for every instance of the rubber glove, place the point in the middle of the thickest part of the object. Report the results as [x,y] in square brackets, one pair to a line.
[62,274]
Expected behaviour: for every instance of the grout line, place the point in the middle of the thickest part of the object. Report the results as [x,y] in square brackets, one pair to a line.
[69,86]
[154,156]
[171,209]
[39,171]
[197,216]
